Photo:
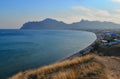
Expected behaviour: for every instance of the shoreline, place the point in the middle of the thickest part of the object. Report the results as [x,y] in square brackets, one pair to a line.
[77,54]
[80,53]
[84,51]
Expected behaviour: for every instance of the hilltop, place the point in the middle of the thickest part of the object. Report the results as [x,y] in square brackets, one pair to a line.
[77,68]
[82,25]
[86,67]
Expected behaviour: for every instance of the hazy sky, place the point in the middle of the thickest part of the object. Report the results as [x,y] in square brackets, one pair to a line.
[13,13]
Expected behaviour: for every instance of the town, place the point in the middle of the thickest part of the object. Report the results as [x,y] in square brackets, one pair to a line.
[104,39]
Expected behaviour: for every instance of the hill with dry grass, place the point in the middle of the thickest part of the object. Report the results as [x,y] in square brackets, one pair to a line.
[86,67]
[111,66]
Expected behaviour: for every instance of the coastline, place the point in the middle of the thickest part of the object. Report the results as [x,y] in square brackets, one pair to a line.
[81,53]
[77,54]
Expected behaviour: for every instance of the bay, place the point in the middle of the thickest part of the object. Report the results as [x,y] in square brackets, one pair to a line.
[25,49]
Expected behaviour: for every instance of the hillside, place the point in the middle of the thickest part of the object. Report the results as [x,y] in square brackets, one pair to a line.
[86,67]
[82,25]
[112,66]
[109,50]
[78,68]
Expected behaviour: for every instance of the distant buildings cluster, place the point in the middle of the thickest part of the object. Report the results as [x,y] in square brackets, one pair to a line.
[107,39]
[103,39]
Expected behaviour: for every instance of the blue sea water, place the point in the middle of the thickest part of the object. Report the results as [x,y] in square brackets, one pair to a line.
[25,49]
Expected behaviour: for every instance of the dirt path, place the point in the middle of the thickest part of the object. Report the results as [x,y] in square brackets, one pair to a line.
[112,66]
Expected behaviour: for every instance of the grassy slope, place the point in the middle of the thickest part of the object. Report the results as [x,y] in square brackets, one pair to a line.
[111,66]
[111,60]
[86,67]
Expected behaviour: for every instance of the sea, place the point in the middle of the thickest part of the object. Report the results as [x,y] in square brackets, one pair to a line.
[21,50]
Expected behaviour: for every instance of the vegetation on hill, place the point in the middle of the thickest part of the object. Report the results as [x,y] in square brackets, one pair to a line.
[113,50]
[86,67]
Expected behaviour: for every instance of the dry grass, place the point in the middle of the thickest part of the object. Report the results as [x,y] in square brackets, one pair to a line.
[111,65]
[78,68]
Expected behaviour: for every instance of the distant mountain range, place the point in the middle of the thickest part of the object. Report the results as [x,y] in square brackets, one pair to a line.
[82,25]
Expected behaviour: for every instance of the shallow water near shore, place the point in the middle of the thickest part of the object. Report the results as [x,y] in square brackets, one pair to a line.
[25,49]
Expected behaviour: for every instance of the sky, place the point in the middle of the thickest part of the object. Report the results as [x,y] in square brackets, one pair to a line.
[14,13]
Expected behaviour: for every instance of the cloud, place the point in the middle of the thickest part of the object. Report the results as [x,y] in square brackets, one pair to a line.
[91,11]
[116,0]
[80,12]
[117,10]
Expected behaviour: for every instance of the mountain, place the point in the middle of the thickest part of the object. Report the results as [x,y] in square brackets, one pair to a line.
[85,24]
[45,24]
[82,25]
